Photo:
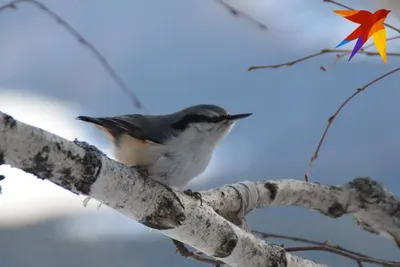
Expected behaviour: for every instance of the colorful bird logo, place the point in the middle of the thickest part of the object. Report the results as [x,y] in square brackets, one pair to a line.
[370,25]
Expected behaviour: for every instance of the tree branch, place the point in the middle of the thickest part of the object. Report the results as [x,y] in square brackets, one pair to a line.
[349,8]
[375,209]
[340,52]
[236,12]
[326,246]
[82,40]
[340,56]
[324,51]
[82,169]
[334,116]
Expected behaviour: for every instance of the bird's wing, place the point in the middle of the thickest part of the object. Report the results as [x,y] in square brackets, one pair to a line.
[356,16]
[133,125]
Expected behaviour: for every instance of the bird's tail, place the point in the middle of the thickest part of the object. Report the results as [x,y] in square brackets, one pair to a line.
[102,124]
[96,121]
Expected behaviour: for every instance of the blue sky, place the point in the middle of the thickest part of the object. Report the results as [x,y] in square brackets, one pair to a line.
[183,52]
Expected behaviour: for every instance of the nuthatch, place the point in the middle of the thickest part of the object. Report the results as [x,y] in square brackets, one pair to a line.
[173,148]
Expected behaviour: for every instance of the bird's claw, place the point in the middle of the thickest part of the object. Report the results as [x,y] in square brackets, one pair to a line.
[195,195]
[180,248]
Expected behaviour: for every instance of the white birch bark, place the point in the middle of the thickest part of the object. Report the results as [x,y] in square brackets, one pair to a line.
[375,209]
[82,169]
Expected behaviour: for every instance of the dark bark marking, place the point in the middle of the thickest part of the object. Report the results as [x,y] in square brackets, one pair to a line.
[2,161]
[336,210]
[9,121]
[273,189]
[67,179]
[370,191]
[119,206]
[167,214]
[208,223]
[278,259]
[41,168]
[228,244]
[92,162]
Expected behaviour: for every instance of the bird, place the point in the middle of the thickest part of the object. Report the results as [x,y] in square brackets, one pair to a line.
[371,24]
[173,148]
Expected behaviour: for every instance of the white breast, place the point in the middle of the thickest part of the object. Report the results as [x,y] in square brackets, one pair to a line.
[176,168]
[185,159]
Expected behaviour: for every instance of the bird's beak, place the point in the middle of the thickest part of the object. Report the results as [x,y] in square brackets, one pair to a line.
[238,116]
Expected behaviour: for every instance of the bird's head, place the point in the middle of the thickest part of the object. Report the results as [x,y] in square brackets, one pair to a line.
[205,123]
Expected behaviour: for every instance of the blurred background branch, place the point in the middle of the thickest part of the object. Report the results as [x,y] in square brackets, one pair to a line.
[326,246]
[155,40]
[83,41]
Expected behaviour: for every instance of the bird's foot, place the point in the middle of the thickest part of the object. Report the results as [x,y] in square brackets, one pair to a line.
[181,248]
[195,195]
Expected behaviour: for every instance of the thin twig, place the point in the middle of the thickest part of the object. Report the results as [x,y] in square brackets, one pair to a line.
[103,61]
[325,246]
[236,12]
[357,259]
[308,241]
[324,51]
[180,247]
[333,117]
[347,7]
[340,56]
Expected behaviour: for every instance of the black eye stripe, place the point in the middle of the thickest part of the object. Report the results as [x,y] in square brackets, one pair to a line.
[186,120]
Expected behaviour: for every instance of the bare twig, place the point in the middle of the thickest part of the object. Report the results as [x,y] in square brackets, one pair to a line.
[234,11]
[324,51]
[333,117]
[325,246]
[181,248]
[103,61]
[340,56]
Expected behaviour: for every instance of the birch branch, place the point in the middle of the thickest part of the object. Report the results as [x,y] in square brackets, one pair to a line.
[374,208]
[82,169]
[85,43]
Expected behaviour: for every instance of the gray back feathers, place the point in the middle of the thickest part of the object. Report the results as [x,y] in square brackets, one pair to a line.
[158,128]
